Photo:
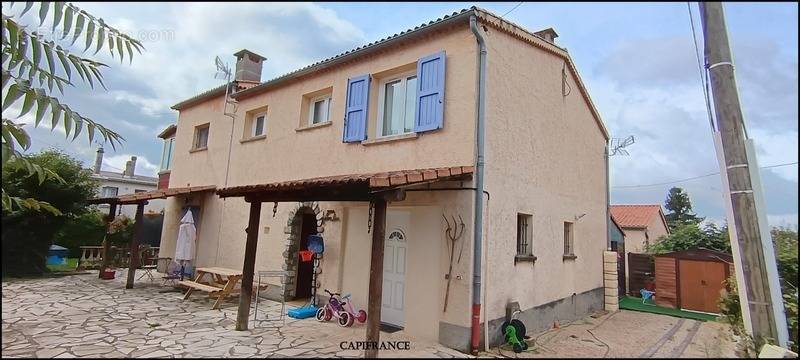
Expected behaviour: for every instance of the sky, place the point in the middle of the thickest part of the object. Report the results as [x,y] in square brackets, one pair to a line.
[637,60]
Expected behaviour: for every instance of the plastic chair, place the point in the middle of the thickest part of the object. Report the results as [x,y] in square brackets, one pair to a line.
[647,295]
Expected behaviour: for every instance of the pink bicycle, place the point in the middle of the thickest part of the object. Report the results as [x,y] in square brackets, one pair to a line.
[341,310]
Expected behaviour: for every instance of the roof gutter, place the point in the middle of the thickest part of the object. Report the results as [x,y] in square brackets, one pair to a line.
[479,169]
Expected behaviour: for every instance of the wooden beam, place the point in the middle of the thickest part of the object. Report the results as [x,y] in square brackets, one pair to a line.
[376,277]
[112,209]
[137,237]
[249,266]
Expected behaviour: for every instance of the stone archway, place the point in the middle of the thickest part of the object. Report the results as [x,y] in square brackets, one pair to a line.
[293,229]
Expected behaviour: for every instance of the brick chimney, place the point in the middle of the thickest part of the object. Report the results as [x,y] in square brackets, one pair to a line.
[98,160]
[548,34]
[130,166]
[248,66]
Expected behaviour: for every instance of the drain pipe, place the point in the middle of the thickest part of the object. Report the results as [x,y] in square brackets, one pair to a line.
[478,222]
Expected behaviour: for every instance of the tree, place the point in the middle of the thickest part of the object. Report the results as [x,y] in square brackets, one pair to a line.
[680,209]
[28,233]
[689,236]
[33,63]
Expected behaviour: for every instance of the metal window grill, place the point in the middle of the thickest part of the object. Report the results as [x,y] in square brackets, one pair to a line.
[522,235]
[567,238]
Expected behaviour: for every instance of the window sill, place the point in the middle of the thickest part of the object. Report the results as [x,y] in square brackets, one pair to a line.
[254,138]
[315,126]
[390,138]
[524,258]
[570,257]
[167,171]
[198,149]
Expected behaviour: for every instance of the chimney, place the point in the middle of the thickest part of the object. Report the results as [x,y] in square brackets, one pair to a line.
[98,160]
[248,66]
[130,166]
[548,34]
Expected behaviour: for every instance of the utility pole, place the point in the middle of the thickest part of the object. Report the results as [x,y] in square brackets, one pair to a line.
[760,294]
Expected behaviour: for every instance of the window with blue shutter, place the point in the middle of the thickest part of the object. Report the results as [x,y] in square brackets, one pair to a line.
[355,115]
[430,93]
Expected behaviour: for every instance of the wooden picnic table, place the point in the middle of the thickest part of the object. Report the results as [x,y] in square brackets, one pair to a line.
[222,283]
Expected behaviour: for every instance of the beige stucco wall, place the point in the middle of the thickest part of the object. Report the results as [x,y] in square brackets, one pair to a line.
[545,158]
[636,238]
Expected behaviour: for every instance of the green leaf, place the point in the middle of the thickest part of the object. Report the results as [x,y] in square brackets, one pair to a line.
[20,135]
[88,75]
[90,131]
[37,53]
[78,28]
[22,50]
[130,52]
[51,61]
[76,62]
[78,127]
[64,63]
[42,102]
[89,35]
[99,77]
[43,7]
[13,94]
[100,37]
[30,96]
[13,34]
[59,12]
[120,50]
[55,109]
[67,126]
[68,12]
[28,6]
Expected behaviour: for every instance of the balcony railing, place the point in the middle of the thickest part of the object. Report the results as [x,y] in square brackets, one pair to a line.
[92,256]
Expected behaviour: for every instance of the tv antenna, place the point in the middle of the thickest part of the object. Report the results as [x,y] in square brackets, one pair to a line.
[224,73]
[618,145]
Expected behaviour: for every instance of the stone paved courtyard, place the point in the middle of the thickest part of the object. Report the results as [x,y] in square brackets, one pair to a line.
[83,316]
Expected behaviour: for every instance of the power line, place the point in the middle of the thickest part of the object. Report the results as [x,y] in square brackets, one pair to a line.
[512,9]
[693,178]
[703,73]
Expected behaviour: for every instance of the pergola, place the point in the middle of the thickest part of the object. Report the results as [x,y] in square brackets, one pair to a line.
[140,200]
[376,188]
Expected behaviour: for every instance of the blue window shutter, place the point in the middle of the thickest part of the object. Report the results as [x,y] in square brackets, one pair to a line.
[430,93]
[355,114]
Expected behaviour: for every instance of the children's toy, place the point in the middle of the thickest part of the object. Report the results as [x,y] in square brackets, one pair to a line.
[361,315]
[303,312]
[335,309]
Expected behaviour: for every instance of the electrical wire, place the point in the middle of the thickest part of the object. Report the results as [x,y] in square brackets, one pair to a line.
[512,9]
[703,72]
[694,177]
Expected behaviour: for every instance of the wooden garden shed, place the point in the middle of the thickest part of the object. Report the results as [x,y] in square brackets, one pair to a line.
[692,279]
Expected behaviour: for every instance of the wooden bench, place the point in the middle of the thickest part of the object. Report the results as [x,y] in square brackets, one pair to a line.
[198,286]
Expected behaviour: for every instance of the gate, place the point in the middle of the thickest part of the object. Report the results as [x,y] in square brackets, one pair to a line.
[641,270]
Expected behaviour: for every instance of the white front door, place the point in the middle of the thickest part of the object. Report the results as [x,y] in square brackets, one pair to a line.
[394,267]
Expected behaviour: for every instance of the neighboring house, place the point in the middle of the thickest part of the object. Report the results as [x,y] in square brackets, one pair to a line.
[168,135]
[399,105]
[114,184]
[642,225]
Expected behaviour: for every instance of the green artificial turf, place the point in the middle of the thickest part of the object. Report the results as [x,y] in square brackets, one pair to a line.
[635,304]
[71,265]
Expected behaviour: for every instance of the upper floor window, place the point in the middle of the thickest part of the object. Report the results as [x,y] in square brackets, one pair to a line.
[319,110]
[569,245]
[396,105]
[524,236]
[109,191]
[200,137]
[166,153]
[257,125]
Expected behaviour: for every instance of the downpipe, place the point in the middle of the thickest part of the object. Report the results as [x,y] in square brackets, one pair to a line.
[479,170]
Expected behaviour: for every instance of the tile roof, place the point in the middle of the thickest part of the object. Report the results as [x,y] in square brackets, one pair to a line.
[111,175]
[382,180]
[150,195]
[635,216]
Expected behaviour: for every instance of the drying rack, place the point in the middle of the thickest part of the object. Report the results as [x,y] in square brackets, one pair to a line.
[281,274]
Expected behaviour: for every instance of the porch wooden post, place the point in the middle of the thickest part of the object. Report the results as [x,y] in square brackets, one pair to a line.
[243,315]
[376,278]
[137,237]
[112,209]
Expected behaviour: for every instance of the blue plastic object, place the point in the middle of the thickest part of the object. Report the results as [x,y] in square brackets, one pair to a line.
[315,244]
[303,312]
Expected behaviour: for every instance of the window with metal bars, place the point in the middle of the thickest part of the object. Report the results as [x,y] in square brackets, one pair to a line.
[568,239]
[524,238]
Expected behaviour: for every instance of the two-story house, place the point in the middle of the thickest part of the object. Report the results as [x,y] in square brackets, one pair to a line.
[402,113]
[126,182]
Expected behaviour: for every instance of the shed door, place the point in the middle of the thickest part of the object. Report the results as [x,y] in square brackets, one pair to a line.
[701,284]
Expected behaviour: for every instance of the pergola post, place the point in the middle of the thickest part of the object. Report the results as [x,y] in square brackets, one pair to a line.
[376,277]
[112,209]
[137,235]
[249,266]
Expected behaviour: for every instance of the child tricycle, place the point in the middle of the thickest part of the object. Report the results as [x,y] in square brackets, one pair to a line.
[341,310]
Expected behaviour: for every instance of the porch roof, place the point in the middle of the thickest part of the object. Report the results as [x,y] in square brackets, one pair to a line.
[150,195]
[352,187]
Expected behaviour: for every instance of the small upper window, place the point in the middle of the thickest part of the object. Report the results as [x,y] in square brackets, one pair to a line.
[569,246]
[396,107]
[258,125]
[201,137]
[319,110]
[166,154]
[109,191]
[524,237]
